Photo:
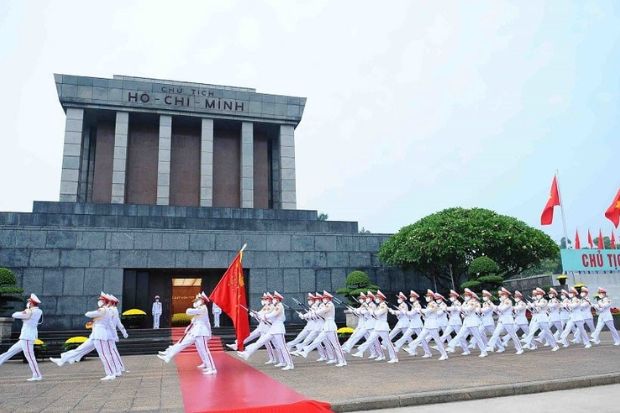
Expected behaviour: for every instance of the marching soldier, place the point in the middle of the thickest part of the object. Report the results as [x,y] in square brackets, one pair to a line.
[381,331]
[431,313]
[100,334]
[486,312]
[403,321]
[505,322]
[471,325]
[575,320]
[276,332]
[199,335]
[307,328]
[114,324]
[29,333]
[361,330]
[454,319]
[415,324]
[554,306]
[519,309]
[586,307]
[540,320]
[603,308]
[328,335]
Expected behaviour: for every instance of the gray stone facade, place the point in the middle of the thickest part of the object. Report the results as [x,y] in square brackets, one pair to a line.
[59,255]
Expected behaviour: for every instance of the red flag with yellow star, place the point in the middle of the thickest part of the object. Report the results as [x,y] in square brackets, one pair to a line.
[554,199]
[613,212]
[229,295]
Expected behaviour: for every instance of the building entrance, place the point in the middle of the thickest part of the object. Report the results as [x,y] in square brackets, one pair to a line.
[184,290]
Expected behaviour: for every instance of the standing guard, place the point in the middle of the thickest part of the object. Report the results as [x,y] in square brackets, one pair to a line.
[156,312]
[603,308]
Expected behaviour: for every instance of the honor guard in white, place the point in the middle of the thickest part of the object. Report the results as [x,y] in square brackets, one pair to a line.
[401,313]
[367,317]
[540,320]
[415,324]
[454,317]
[505,323]
[307,328]
[199,335]
[554,306]
[381,331]
[519,309]
[316,327]
[575,320]
[100,334]
[114,325]
[486,314]
[471,325]
[586,307]
[261,329]
[29,333]
[217,312]
[156,312]
[328,335]
[276,332]
[564,313]
[605,319]
[361,330]
[431,313]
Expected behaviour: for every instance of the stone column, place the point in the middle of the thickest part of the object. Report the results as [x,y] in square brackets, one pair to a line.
[206,163]
[119,162]
[72,151]
[247,165]
[288,194]
[163,163]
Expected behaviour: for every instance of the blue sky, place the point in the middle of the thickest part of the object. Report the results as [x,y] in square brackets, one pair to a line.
[412,106]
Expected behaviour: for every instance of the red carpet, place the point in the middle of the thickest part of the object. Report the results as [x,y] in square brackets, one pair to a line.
[237,388]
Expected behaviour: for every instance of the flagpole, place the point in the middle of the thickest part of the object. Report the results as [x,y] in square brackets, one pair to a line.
[557,178]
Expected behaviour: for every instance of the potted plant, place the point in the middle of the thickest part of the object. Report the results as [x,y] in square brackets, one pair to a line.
[344,333]
[73,343]
[9,292]
[562,279]
[356,283]
[180,320]
[133,318]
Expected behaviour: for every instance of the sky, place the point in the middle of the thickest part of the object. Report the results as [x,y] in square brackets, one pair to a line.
[412,107]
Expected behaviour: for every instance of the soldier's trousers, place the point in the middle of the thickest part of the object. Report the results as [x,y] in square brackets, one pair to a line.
[431,333]
[105,356]
[461,339]
[385,340]
[589,322]
[330,340]
[323,352]
[27,346]
[398,329]
[610,326]
[77,353]
[545,331]
[525,329]
[300,337]
[447,333]
[408,337]
[511,331]
[117,364]
[202,347]
[374,349]
[580,329]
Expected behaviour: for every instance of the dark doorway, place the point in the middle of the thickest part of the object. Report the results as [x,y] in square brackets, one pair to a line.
[140,286]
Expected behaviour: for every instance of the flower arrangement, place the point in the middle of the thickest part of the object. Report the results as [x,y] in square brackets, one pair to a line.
[562,279]
[133,318]
[344,333]
[73,342]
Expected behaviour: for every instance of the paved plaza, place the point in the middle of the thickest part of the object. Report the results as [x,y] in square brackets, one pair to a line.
[152,385]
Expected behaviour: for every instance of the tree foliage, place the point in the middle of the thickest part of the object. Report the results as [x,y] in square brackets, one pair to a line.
[452,238]
[482,266]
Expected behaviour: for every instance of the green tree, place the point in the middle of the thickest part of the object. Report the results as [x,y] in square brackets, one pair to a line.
[606,242]
[322,216]
[563,242]
[442,245]
[356,282]
[9,291]
[482,273]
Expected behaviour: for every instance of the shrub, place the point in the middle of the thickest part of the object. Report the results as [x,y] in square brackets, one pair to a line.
[133,318]
[482,266]
[181,320]
[482,273]
[9,291]
[356,282]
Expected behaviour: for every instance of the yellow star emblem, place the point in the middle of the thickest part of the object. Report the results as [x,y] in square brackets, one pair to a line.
[617,205]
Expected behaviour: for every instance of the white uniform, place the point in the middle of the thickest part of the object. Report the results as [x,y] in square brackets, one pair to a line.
[415,327]
[540,320]
[432,314]
[403,321]
[303,333]
[381,331]
[602,307]
[454,321]
[471,326]
[555,319]
[588,318]
[575,321]
[365,326]
[505,322]
[316,327]
[487,325]
[275,334]
[198,334]
[217,312]
[114,323]
[99,337]
[29,333]
[328,335]
[156,311]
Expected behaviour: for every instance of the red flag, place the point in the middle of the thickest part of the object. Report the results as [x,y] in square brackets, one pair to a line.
[546,217]
[601,244]
[612,241]
[577,242]
[229,295]
[613,212]
[590,242]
